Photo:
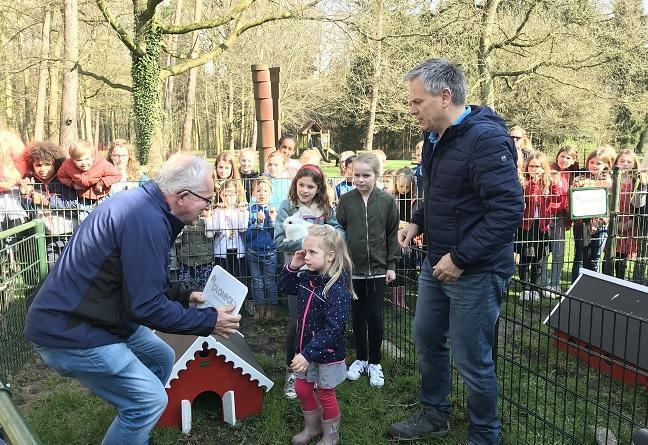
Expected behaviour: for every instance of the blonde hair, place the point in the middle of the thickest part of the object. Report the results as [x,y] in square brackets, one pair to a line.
[632,154]
[133,169]
[80,148]
[542,158]
[372,161]
[331,241]
[227,157]
[605,153]
[311,156]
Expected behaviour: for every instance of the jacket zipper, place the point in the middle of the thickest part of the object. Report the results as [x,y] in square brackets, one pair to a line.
[367,232]
[310,297]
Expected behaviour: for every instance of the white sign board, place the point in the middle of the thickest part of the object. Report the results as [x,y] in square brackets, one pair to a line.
[588,202]
[222,289]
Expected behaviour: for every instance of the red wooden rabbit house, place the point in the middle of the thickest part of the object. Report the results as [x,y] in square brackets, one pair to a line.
[227,368]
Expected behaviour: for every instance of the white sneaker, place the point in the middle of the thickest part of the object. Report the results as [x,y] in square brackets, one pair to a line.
[356,369]
[530,295]
[376,377]
[289,387]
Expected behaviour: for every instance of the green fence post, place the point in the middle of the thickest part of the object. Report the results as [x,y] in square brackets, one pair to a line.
[610,246]
[14,426]
[42,251]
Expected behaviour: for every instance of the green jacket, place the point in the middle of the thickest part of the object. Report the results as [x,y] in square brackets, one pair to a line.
[371,231]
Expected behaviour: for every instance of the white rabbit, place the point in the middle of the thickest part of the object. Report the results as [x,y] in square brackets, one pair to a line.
[296,227]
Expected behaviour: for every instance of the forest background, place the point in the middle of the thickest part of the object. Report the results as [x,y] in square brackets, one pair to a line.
[175,74]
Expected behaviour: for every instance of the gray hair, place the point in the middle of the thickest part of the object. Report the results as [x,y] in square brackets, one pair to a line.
[182,171]
[437,74]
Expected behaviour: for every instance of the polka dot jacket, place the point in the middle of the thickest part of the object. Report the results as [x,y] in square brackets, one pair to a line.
[321,322]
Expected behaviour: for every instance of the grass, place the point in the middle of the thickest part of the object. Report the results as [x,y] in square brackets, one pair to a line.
[71,416]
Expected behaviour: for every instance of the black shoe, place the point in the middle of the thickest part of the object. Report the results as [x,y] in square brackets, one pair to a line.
[426,422]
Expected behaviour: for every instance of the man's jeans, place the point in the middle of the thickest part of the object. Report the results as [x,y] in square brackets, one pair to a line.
[465,312]
[262,270]
[129,375]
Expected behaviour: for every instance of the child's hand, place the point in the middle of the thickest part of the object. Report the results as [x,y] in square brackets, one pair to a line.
[242,206]
[99,187]
[27,186]
[260,217]
[299,363]
[272,213]
[298,259]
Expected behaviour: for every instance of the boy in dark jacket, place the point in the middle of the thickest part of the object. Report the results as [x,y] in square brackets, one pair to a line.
[261,250]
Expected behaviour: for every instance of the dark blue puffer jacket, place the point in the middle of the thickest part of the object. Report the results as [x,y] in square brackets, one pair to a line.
[321,322]
[473,197]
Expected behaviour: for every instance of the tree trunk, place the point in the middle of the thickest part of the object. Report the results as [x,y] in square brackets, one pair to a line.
[145,72]
[41,96]
[190,98]
[486,93]
[375,83]
[68,132]
[243,130]
[96,133]
[87,122]
[9,103]
[220,130]
[230,113]
[27,123]
[643,137]
[169,128]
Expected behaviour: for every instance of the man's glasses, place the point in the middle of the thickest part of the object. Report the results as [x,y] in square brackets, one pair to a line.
[207,200]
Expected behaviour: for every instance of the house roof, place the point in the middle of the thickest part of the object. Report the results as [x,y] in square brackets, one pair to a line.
[311,125]
[234,350]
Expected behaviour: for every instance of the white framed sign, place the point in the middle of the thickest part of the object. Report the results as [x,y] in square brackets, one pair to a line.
[588,202]
[223,288]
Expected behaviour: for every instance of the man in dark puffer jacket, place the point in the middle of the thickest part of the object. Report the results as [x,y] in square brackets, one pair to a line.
[473,205]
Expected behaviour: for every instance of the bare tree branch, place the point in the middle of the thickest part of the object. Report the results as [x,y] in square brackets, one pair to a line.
[103,79]
[518,31]
[119,29]
[229,41]
[227,17]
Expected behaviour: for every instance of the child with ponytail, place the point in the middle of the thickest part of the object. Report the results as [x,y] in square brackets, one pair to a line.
[324,294]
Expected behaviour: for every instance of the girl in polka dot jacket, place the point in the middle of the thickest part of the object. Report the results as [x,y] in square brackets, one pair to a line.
[324,294]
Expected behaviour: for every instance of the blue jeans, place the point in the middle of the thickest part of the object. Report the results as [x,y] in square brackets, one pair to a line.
[464,311]
[129,375]
[262,270]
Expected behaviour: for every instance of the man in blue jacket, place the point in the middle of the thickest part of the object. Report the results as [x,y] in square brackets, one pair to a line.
[92,318]
[473,205]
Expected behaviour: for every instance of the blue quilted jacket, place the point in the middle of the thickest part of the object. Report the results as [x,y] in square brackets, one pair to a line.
[321,322]
[473,197]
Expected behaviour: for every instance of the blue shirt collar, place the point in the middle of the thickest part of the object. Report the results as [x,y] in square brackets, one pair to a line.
[434,137]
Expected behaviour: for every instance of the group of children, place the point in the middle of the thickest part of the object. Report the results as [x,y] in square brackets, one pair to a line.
[345,260]
[547,215]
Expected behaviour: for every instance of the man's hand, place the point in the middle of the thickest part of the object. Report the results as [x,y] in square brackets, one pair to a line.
[196,297]
[227,323]
[407,234]
[445,269]
[299,363]
[390,276]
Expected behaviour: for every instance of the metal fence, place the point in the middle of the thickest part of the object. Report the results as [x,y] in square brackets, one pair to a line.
[555,389]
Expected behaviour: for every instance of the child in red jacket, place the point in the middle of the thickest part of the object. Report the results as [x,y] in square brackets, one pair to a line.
[542,198]
[91,177]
